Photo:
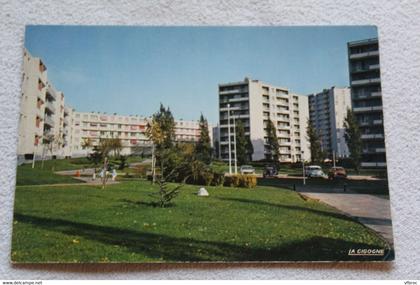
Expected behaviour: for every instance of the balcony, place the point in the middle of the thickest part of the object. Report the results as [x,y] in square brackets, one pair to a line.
[48,120]
[364,54]
[49,107]
[373,164]
[365,68]
[283,127]
[367,109]
[367,95]
[239,99]
[50,95]
[373,150]
[371,136]
[366,81]
[282,111]
[285,143]
[231,109]
[227,92]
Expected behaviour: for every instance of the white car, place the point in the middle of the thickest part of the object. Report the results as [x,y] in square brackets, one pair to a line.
[247,169]
[313,171]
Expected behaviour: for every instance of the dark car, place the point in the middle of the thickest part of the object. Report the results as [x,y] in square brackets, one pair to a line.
[270,171]
[337,172]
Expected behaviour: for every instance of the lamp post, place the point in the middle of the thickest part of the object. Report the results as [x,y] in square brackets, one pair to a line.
[229,146]
[234,144]
[303,169]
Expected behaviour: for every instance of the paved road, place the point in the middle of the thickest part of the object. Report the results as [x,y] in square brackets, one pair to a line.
[371,210]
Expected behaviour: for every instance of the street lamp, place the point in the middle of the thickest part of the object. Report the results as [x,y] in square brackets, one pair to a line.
[303,168]
[234,144]
[230,147]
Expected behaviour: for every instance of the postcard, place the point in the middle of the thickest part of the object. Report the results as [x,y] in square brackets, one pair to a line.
[201,144]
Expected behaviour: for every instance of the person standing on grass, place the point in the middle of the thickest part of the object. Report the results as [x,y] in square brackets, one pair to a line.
[114,174]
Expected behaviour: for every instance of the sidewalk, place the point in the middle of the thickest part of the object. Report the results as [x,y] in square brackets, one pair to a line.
[371,210]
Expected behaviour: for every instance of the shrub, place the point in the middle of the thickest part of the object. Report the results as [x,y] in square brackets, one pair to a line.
[218,179]
[239,180]
[141,170]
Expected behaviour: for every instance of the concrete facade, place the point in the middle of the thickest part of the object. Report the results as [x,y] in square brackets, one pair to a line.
[327,112]
[254,103]
[41,112]
[131,130]
[366,95]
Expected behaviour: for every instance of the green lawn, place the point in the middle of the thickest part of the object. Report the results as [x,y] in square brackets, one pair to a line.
[26,175]
[119,224]
[64,164]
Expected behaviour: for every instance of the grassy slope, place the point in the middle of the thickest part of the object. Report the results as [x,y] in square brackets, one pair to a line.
[87,224]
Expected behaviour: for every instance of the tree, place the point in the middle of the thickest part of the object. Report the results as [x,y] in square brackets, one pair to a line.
[353,138]
[249,148]
[51,143]
[273,146]
[161,131]
[203,148]
[315,143]
[241,144]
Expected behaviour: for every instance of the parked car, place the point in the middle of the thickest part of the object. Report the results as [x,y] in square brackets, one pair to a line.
[314,171]
[247,169]
[270,171]
[337,172]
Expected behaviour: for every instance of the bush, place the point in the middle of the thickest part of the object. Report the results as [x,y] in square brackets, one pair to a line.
[218,179]
[141,170]
[241,180]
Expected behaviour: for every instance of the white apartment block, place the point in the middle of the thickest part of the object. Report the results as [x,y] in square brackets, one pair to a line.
[96,126]
[327,112]
[254,103]
[41,112]
[131,130]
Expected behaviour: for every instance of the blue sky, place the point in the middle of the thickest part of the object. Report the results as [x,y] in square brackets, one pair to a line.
[130,70]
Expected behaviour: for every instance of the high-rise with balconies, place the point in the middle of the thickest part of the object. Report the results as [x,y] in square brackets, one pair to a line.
[366,95]
[41,112]
[327,112]
[254,103]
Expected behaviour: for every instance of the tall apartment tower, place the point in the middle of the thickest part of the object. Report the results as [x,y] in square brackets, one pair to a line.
[41,111]
[327,112]
[365,82]
[254,103]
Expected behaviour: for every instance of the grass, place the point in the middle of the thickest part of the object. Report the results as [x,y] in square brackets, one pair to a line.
[119,224]
[26,175]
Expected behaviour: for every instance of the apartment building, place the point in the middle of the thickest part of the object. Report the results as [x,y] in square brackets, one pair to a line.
[131,130]
[254,103]
[41,112]
[327,112]
[366,95]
